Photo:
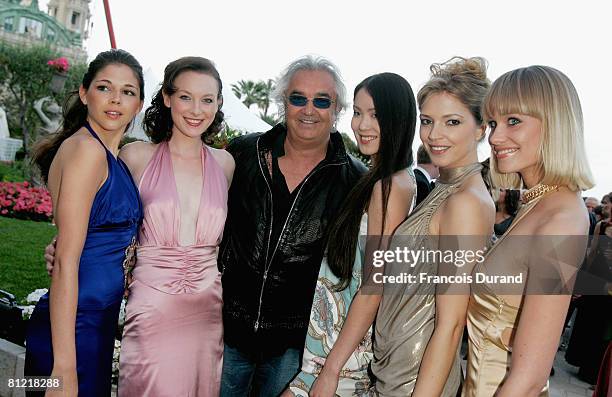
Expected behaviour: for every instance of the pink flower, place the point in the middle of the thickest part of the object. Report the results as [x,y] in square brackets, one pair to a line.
[59,64]
[24,201]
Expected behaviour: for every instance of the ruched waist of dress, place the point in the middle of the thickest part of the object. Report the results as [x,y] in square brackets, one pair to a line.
[177,270]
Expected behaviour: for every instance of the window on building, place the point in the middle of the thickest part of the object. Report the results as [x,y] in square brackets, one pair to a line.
[50,35]
[74,20]
[31,27]
[8,24]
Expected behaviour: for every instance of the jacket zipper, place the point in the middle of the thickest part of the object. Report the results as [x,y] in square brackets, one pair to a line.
[269,261]
[256,327]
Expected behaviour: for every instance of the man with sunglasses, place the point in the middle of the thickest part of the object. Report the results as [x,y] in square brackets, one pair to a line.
[288,185]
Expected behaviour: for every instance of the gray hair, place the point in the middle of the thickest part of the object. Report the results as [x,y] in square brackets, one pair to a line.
[308,62]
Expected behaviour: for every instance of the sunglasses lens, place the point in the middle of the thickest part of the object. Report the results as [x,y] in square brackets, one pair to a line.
[298,100]
[301,100]
[321,103]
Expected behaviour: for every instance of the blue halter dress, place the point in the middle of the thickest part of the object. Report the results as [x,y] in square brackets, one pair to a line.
[113,223]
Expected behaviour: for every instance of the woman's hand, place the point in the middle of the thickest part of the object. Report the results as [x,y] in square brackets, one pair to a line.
[68,381]
[325,385]
[128,279]
[50,255]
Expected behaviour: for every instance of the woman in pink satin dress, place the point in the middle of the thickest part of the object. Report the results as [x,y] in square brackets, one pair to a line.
[173,337]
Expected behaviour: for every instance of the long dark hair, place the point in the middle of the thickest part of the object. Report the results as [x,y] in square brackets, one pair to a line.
[396,115]
[157,121]
[75,112]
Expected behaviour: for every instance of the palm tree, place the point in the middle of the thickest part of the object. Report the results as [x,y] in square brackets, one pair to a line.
[268,118]
[247,91]
[258,93]
[264,90]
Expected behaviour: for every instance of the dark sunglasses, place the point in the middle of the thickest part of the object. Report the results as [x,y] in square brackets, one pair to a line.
[318,102]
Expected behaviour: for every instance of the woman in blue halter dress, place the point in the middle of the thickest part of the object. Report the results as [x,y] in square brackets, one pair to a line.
[110,96]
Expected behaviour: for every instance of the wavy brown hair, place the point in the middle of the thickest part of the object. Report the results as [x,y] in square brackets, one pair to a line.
[465,78]
[157,121]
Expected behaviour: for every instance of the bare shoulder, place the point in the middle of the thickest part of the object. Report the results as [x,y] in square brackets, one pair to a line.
[400,196]
[403,183]
[562,213]
[402,187]
[81,147]
[136,156]
[471,199]
[396,208]
[80,157]
[474,192]
[225,160]
[222,156]
[138,147]
[137,152]
[468,211]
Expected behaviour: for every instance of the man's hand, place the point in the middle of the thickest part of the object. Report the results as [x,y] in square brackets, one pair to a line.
[50,255]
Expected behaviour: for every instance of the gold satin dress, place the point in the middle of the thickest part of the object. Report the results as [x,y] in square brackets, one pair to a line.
[491,320]
[406,315]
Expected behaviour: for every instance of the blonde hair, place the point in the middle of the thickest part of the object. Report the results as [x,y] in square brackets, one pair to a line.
[465,78]
[548,95]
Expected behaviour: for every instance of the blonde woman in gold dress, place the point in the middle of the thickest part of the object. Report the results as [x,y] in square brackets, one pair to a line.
[535,119]
[418,330]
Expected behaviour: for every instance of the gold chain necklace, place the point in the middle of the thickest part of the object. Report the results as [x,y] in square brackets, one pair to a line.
[538,191]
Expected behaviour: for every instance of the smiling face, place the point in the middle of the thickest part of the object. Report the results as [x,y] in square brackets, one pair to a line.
[515,140]
[308,123]
[113,98]
[449,131]
[194,104]
[364,123]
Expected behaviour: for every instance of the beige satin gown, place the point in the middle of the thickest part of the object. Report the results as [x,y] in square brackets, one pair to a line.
[491,320]
[406,316]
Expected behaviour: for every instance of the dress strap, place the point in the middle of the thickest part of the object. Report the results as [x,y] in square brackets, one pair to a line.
[92,132]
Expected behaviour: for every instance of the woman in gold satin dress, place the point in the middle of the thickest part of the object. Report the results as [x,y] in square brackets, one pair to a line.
[536,136]
[418,327]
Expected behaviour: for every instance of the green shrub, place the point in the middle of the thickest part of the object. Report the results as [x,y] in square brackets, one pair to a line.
[22,266]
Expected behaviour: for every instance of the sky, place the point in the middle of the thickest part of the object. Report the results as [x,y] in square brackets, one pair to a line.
[257,39]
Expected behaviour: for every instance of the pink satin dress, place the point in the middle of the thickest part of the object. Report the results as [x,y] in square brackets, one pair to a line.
[173,337]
